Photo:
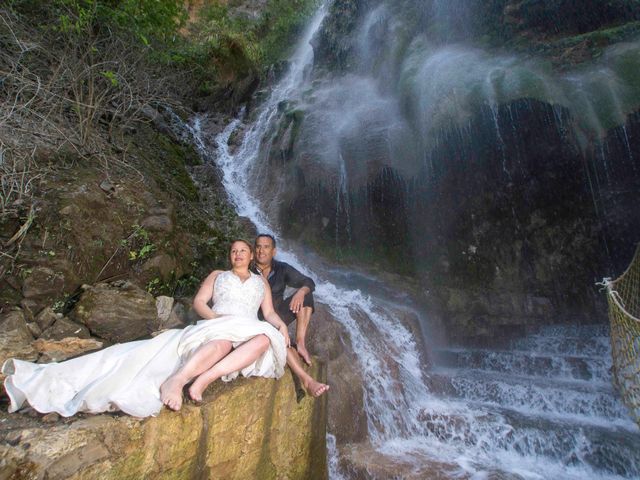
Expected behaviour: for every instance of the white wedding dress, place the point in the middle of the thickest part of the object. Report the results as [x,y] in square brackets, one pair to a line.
[128,376]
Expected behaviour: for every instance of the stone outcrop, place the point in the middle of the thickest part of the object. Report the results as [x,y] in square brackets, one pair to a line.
[63,328]
[249,428]
[118,312]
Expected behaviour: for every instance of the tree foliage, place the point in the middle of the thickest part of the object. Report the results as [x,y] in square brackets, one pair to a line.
[224,40]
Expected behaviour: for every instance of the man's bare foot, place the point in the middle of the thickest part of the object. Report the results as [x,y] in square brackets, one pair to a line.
[316,388]
[171,393]
[302,351]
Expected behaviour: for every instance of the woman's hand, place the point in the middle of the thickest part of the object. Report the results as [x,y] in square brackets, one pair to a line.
[285,333]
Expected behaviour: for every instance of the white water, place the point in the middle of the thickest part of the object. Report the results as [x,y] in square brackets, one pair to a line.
[403,416]
[383,336]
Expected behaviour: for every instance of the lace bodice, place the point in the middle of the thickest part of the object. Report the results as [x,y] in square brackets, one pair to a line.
[232,296]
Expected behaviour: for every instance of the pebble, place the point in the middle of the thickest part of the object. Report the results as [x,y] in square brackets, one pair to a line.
[51,417]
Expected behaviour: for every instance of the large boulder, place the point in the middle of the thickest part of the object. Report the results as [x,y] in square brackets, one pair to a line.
[250,428]
[118,312]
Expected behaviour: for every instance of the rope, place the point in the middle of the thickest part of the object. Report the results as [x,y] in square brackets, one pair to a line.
[623,296]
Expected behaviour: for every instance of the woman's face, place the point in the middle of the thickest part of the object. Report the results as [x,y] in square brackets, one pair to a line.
[240,255]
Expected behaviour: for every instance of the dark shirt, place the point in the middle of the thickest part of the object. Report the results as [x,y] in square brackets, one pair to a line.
[283,275]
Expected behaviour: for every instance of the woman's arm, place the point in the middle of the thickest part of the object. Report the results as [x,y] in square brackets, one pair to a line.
[270,314]
[201,300]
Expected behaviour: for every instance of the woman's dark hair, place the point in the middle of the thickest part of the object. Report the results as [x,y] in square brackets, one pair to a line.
[268,235]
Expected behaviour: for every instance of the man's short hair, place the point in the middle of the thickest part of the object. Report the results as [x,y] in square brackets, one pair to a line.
[268,235]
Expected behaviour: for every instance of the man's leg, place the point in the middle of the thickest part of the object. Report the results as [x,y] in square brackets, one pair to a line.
[303,318]
[312,386]
[202,359]
[239,358]
[302,324]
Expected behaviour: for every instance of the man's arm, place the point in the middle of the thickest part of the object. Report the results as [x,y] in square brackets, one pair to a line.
[304,284]
[293,278]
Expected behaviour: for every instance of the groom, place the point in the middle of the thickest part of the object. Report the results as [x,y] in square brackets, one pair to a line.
[298,306]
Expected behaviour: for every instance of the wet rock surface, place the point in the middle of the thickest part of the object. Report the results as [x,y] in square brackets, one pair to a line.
[330,341]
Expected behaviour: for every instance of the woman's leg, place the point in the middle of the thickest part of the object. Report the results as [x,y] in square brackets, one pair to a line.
[202,359]
[239,358]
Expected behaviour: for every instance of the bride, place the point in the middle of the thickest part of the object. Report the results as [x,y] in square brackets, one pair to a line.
[139,377]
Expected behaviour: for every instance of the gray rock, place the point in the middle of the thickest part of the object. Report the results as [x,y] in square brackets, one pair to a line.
[15,344]
[34,328]
[164,305]
[41,286]
[64,328]
[163,265]
[118,312]
[29,308]
[179,316]
[15,321]
[42,282]
[107,186]
[46,318]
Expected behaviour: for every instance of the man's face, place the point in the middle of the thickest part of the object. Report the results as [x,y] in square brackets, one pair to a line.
[265,251]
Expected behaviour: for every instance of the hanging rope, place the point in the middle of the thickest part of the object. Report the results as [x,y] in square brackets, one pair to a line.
[623,296]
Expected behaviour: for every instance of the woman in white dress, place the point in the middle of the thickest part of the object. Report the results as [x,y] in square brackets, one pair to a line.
[139,377]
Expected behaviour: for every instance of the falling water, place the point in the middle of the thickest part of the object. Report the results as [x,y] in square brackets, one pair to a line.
[382,339]
[478,411]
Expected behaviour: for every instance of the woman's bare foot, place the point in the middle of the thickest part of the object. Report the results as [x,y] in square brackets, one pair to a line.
[171,393]
[315,388]
[195,391]
[302,351]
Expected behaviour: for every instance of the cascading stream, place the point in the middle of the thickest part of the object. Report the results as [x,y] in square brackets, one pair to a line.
[394,342]
[477,411]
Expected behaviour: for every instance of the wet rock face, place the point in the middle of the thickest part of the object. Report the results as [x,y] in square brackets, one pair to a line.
[514,202]
[573,16]
[118,312]
[332,44]
[346,411]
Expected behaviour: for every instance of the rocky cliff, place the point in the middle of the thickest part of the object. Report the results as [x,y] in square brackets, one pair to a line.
[250,428]
[486,148]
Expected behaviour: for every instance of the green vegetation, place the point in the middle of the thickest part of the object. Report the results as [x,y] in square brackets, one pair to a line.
[141,243]
[226,43]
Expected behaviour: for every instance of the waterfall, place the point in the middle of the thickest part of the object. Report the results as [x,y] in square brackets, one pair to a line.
[536,410]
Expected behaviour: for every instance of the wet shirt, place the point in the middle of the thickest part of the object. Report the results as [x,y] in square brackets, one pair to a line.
[283,275]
